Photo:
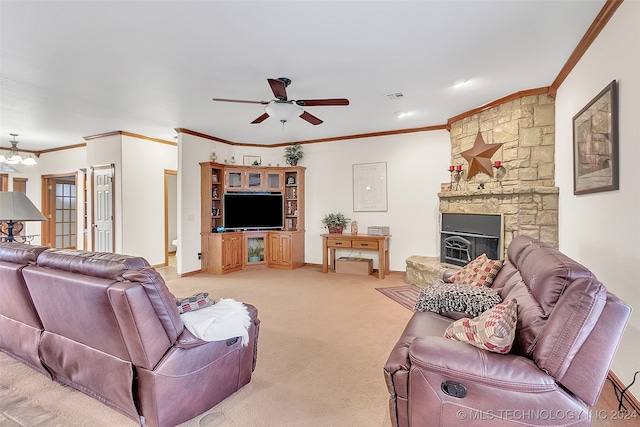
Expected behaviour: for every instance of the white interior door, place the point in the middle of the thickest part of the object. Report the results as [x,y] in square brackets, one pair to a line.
[103,209]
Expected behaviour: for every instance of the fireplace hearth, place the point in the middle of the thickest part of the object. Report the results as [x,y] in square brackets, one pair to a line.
[464,237]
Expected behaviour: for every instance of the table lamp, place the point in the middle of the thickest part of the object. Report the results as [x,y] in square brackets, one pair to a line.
[14,207]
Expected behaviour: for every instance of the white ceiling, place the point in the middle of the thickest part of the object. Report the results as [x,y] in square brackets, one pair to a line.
[78,68]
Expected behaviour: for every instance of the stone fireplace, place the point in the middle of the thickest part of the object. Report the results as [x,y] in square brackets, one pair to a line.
[523,189]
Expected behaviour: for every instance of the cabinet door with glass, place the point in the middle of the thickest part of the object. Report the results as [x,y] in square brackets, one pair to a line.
[274,181]
[234,179]
[255,249]
[254,180]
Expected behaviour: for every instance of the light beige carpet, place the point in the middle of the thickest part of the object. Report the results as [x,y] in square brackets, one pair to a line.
[324,339]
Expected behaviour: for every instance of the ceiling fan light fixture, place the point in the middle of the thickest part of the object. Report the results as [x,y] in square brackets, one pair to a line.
[283,111]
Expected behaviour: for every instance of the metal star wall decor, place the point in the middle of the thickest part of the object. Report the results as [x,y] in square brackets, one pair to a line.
[479,156]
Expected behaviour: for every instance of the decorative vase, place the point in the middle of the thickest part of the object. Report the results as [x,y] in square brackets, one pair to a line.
[354,227]
[335,230]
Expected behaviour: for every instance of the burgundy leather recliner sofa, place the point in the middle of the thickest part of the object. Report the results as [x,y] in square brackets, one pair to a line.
[107,325]
[567,332]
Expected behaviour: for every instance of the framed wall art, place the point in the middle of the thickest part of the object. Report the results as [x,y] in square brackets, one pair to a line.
[595,144]
[251,160]
[370,187]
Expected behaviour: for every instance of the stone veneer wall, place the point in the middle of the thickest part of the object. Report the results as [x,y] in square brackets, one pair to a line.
[524,189]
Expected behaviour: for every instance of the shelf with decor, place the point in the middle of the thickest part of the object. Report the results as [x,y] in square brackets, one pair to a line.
[294,199]
[212,189]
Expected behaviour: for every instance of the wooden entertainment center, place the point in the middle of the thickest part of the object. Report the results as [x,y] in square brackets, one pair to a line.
[228,251]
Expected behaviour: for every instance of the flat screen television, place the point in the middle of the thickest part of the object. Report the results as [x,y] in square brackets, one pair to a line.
[253,211]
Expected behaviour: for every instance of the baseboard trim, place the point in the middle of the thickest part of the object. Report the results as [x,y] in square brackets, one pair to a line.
[190,273]
[629,400]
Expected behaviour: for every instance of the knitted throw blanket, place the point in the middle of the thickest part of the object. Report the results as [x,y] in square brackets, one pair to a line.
[225,319]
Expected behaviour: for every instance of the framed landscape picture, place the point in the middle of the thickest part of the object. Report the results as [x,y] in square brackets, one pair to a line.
[595,144]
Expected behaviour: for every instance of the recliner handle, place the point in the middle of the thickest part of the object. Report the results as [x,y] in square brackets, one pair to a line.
[454,389]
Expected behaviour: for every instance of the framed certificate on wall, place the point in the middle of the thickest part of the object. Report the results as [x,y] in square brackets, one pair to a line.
[370,187]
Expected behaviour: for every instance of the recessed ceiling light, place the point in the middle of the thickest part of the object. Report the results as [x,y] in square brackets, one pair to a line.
[458,83]
[401,114]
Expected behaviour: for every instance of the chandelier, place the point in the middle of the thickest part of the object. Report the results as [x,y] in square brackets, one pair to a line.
[14,157]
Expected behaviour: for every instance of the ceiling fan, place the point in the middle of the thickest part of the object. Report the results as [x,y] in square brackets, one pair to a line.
[285,109]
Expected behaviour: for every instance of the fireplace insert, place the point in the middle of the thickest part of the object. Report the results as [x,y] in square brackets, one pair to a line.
[464,237]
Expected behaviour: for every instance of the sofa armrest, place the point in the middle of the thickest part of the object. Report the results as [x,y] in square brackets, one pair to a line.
[187,340]
[463,361]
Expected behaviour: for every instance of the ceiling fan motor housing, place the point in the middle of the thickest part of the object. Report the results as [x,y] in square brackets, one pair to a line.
[285,80]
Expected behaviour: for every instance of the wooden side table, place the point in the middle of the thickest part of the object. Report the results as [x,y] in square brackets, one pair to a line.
[355,242]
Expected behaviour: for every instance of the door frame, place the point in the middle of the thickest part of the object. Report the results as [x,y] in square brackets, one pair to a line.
[167,173]
[48,203]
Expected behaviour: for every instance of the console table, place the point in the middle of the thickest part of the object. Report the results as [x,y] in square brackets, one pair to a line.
[355,242]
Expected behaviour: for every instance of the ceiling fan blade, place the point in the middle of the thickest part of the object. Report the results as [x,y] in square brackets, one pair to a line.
[241,100]
[310,118]
[316,102]
[279,88]
[260,119]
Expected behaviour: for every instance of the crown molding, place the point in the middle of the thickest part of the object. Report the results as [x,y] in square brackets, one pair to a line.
[131,134]
[598,24]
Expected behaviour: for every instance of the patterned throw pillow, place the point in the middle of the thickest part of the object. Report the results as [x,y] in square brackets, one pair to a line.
[493,330]
[193,302]
[450,297]
[468,272]
[479,272]
[488,272]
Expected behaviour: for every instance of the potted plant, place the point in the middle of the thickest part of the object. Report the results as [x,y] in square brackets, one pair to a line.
[293,153]
[335,222]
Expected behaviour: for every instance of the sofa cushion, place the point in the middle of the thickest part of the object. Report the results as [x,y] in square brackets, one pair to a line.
[193,302]
[162,300]
[493,330]
[19,253]
[97,264]
[479,272]
[537,275]
[450,297]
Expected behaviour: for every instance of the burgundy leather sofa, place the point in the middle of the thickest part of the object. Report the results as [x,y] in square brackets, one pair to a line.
[107,325]
[567,332]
